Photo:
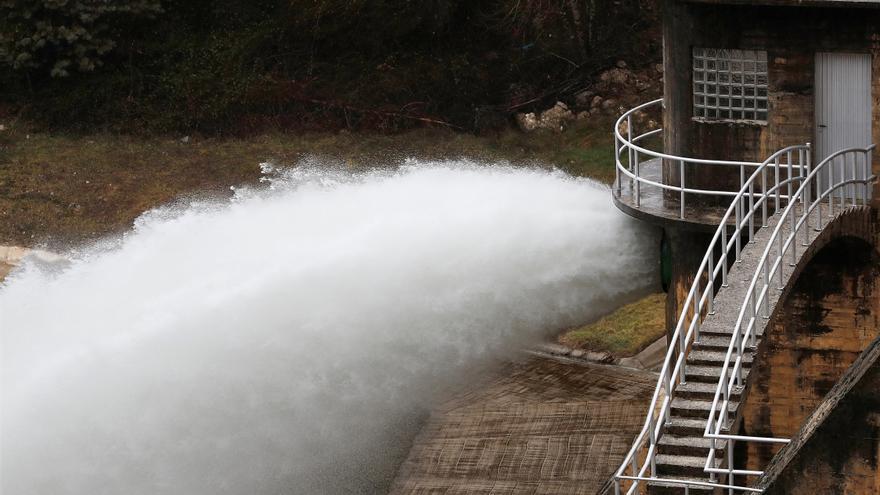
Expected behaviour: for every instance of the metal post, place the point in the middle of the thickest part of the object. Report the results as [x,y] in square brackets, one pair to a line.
[652,438]
[616,163]
[776,170]
[805,204]
[681,184]
[790,175]
[818,202]
[681,348]
[781,258]
[730,466]
[711,285]
[629,141]
[764,197]
[736,232]
[638,191]
[801,173]
[767,288]
[852,186]
[831,186]
[751,212]
[723,259]
[793,226]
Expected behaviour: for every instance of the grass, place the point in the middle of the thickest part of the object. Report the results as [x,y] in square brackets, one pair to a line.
[624,332]
[58,190]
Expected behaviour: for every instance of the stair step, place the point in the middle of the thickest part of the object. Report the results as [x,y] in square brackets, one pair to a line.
[669,488]
[712,342]
[690,465]
[697,408]
[702,391]
[716,357]
[684,426]
[697,373]
[689,445]
[719,331]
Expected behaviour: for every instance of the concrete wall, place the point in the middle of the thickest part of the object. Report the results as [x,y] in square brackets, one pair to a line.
[830,314]
[688,249]
[791,36]
[837,451]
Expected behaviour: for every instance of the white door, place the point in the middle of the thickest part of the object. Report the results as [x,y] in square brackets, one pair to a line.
[843,104]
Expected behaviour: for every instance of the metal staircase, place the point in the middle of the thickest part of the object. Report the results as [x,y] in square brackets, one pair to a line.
[686,443]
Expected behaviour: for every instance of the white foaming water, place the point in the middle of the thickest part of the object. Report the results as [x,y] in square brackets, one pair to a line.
[287,341]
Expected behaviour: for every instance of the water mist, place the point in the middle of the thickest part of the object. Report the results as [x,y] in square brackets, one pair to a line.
[288,340]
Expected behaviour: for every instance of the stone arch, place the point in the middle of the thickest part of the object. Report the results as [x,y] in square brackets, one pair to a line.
[828,312]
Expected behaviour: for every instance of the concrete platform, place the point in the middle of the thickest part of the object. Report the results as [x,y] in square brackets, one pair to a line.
[652,207]
[549,426]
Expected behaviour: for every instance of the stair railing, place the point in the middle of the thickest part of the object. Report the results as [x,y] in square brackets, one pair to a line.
[630,155]
[838,179]
[784,166]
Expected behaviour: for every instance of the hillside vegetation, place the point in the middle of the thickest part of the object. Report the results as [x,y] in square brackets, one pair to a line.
[246,66]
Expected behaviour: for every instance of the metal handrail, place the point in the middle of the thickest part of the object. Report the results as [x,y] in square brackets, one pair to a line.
[693,306]
[635,153]
[756,300]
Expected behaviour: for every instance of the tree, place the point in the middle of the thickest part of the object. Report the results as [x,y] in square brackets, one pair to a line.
[60,36]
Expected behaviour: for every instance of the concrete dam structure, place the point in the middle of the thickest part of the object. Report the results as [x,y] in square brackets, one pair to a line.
[767,195]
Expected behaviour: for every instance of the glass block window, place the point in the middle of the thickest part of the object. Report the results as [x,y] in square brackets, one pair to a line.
[730,84]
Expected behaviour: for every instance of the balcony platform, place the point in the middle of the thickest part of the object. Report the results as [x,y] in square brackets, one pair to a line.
[653,208]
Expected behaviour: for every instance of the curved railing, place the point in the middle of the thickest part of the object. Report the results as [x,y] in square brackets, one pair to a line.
[630,155]
[701,297]
[846,176]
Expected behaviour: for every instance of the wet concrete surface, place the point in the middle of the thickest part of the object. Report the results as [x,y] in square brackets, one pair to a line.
[546,425]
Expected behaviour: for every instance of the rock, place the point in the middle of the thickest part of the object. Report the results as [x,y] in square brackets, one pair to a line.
[582,115]
[184,139]
[527,122]
[596,103]
[12,254]
[553,119]
[658,68]
[609,104]
[621,64]
[556,118]
[640,117]
[577,353]
[599,357]
[582,98]
[615,76]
